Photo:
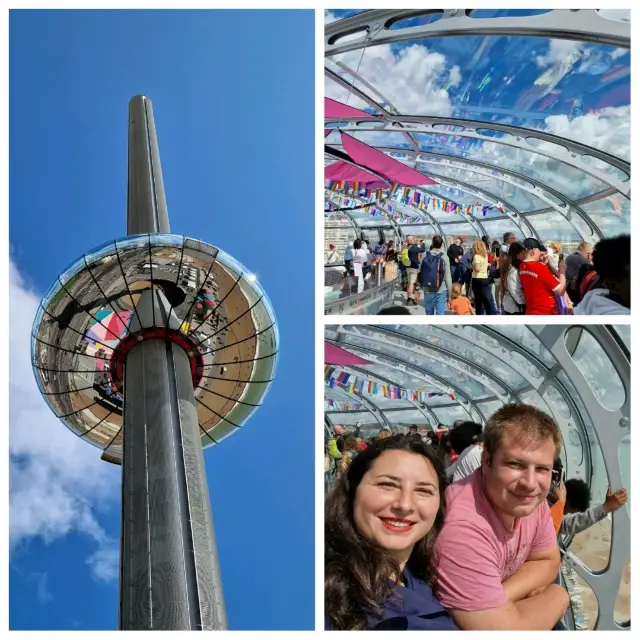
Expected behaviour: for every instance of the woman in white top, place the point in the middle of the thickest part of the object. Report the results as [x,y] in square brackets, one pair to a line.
[512,298]
[359,262]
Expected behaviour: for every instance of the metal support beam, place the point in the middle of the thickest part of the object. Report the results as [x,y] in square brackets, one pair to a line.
[582,25]
[561,149]
[146,201]
[169,573]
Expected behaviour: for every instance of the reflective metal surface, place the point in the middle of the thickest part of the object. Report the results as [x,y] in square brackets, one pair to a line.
[216,307]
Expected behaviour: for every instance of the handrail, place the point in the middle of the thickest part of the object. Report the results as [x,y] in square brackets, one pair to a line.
[354,303]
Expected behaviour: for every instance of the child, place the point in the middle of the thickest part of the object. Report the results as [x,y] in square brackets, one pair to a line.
[460,305]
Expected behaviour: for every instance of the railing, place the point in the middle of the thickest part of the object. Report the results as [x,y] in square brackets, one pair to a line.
[377,294]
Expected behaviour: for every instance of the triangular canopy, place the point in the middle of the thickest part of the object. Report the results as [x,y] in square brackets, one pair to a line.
[336,355]
[383,164]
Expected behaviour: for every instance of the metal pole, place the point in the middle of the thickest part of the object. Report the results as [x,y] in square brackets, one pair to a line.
[146,202]
[169,573]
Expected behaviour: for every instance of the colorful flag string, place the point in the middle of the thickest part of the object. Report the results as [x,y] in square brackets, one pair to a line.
[360,385]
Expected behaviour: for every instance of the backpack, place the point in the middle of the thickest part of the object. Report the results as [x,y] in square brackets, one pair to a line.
[432,272]
[404,257]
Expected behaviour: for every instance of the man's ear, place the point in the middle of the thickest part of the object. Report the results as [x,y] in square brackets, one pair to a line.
[486,460]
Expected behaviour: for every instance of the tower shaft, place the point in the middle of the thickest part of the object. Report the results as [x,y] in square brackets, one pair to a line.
[169,573]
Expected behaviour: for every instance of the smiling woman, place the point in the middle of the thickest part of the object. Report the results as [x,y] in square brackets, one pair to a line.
[382,519]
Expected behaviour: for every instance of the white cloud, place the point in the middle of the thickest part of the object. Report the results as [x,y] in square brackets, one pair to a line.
[58,482]
[559,51]
[42,587]
[608,129]
[413,79]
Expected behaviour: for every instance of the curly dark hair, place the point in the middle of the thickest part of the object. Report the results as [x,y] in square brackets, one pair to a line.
[578,494]
[357,570]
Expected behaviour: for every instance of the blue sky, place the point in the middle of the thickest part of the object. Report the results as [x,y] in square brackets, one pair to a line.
[233,103]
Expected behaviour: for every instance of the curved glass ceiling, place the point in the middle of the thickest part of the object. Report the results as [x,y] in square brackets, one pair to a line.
[475,369]
[523,111]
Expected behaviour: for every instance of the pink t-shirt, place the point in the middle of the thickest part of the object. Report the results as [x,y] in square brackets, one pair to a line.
[477,552]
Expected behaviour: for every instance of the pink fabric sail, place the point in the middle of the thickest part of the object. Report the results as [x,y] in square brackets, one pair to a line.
[349,173]
[383,164]
[335,109]
[336,355]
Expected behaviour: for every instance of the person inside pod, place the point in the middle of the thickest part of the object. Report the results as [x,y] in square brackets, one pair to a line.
[381,521]
[497,552]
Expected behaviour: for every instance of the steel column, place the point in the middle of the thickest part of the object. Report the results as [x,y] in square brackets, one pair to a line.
[169,573]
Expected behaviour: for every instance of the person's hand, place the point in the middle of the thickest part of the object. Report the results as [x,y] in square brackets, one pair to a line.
[614,500]
[562,269]
[561,493]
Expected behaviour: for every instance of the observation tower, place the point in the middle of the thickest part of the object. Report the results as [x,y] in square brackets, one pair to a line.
[152,347]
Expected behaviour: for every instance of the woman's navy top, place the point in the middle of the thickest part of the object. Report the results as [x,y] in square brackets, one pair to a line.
[413,607]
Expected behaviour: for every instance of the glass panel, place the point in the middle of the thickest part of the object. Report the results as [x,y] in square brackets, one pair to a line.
[402,419]
[562,177]
[593,545]
[448,415]
[584,603]
[598,480]
[554,226]
[463,230]
[622,610]
[497,228]
[554,399]
[420,230]
[489,408]
[505,13]
[502,190]
[420,357]
[457,344]
[534,398]
[597,369]
[351,417]
[339,238]
[523,336]
[380,138]
[524,364]
[612,214]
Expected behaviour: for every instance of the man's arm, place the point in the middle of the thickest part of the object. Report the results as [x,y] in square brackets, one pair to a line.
[539,612]
[540,570]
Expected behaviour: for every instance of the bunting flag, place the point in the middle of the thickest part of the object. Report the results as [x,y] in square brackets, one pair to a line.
[342,406]
[407,196]
[359,385]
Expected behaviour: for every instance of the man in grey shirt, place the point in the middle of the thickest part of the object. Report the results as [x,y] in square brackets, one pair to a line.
[581,256]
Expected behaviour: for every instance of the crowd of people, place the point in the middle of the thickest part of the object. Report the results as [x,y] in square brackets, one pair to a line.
[453,528]
[488,278]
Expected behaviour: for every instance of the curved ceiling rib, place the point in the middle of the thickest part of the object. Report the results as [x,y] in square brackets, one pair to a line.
[367,403]
[418,407]
[464,362]
[518,132]
[565,150]
[443,381]
[585,25]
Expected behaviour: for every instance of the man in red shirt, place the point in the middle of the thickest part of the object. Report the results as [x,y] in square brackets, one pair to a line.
[538,281]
